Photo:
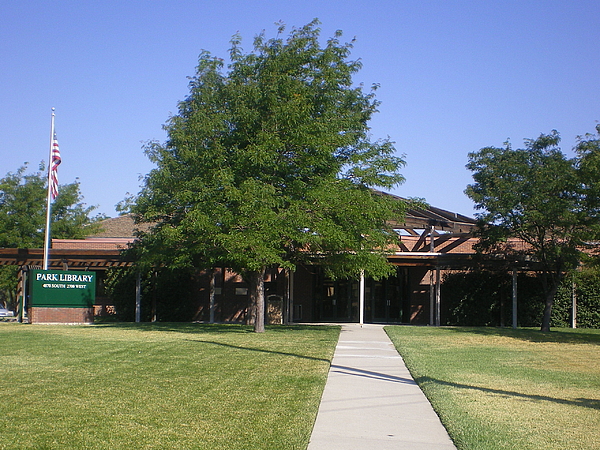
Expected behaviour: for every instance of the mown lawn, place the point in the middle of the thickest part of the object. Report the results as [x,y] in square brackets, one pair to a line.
[508,389]
[161,386]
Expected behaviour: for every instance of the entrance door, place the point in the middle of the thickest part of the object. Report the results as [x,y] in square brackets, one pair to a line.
[384,302]
[339,301]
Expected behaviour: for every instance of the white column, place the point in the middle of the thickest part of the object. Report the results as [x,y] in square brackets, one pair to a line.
[438,302]
[290,311]
[574,305]
[514,298]
[432,239]
[361,297]
[431,298]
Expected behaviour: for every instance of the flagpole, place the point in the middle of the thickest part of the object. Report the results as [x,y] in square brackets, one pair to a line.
[49,197]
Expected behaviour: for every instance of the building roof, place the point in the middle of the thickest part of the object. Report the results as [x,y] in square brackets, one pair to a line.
[429,230]
[120,227]
[115,234]
[416,218]
[430,216]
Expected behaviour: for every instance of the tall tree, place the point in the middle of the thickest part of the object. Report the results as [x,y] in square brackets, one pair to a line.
[588,165]
[23,216]
[535,194]
[23,210]
[270,163]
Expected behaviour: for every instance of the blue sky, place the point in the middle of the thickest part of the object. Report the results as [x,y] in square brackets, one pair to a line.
[455,76]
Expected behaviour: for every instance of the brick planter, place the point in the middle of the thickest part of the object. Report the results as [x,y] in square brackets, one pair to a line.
[47,315]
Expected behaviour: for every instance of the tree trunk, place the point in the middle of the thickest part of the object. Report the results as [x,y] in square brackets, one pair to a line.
[256,282]
[548,305]
[154,309]
[211,295]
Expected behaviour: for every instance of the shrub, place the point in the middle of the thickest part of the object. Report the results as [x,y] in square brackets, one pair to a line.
[484,298]
[168,293]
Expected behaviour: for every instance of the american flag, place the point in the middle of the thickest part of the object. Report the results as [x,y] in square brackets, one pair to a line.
[54,168]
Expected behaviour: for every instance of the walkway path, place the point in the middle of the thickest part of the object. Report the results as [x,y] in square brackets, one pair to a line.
[371,401]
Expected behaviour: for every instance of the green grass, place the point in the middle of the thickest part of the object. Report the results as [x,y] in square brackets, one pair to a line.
[161,386]
[508,389]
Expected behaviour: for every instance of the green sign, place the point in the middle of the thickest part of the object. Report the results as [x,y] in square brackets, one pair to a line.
[62,289]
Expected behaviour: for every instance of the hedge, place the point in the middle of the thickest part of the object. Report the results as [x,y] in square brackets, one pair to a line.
[482,298]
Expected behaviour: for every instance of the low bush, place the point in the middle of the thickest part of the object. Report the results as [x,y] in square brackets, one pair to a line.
[482,298]
[169,294]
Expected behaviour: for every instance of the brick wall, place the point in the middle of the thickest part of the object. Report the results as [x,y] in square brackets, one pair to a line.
[91,244]
[61,315]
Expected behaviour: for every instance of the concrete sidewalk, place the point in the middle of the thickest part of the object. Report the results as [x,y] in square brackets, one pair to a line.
[371,401]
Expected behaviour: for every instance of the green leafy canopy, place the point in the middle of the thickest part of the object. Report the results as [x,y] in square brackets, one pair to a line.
[269,161]
[542,197]
[23,217]
[23,210]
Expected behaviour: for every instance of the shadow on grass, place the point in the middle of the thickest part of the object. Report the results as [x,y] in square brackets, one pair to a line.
[183,327]
[560,336]
[581,402]
[199,328]
[259,350]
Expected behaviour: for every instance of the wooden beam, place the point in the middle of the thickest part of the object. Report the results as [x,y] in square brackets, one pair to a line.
[101,258]
[421,240]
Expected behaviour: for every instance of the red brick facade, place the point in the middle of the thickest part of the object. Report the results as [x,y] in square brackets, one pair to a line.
[61,315]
